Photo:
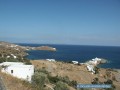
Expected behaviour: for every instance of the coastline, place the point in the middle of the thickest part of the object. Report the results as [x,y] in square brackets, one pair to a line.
[76,72]
[73,70]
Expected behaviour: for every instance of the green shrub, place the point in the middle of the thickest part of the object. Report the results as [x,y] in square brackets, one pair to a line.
[8,60]
[53,79]
[27,62]
[96,70]
[64,79]
[95,81]
[86,89]
[39,80]
[67,81]
[2,60]
[73,83]
[42,70]
[110,82]
[12,60]
[61,86]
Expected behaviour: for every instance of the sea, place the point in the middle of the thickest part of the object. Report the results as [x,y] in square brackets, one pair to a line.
[81,53]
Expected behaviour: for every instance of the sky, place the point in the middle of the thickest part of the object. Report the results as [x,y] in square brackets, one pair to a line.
[76,22]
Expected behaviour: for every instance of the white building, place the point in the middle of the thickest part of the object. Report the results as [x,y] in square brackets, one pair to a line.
[95,61]
[52,60]
[75,62]
[18,69]
[91,68]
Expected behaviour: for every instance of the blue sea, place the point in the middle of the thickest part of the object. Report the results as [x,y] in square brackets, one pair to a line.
[79,53]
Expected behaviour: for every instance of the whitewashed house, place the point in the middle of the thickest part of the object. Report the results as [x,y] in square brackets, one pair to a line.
[91,68]
[51,60]
[75,62]
[18,69]
[95,61]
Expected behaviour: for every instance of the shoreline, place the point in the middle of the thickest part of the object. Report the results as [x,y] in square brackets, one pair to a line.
[75,72]
[81,72]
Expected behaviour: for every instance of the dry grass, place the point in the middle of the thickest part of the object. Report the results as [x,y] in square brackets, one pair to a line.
[74,72]
[13,83]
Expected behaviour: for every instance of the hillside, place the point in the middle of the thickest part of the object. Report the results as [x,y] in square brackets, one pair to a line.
[9,51]
[54,74]
[78,73]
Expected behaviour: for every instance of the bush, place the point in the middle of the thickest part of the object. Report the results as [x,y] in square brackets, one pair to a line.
[27,62]
[95,81]
[64,79]
[53,79]
[108,74]
[12,60]
[96,70]
[8,60]
[39,80]
[2,60]
[42,70]
[85,89]
[73,83]
[110,82]
[61,86]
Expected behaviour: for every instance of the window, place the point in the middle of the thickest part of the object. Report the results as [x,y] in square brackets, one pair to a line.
[11,71]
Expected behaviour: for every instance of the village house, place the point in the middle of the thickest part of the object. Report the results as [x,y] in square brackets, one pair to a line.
[18,69]
[51,60]
[92,63]
[91,68]
[75,62]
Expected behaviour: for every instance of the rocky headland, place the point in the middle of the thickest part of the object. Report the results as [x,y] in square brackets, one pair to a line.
[14,51]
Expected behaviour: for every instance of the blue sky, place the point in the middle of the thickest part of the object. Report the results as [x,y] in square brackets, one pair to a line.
[79,22]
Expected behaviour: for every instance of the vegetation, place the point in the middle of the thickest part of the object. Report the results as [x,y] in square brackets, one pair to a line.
[110,82]
[39,80]
[66,80]
[95,81]
[8,59]
[85,89]
[61,86]
[107,82]
[2,60]
[96,70]
[42,77]
[26,61]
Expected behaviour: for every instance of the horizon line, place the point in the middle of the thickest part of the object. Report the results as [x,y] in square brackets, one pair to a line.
[61,44]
